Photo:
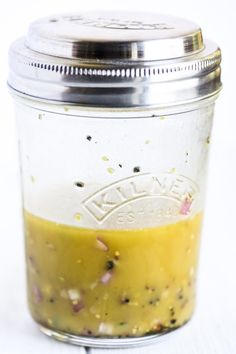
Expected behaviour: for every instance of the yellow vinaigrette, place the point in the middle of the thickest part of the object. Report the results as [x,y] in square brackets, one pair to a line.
[111,282]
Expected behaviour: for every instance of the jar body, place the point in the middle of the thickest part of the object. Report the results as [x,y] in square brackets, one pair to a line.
[113,206]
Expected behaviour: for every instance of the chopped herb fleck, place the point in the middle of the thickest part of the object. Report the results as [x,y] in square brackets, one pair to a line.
[77,217]
[110,170]
[208,140]
[136,169]
[122,323]
[105,158]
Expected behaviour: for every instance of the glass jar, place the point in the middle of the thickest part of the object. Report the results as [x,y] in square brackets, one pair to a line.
[114,114]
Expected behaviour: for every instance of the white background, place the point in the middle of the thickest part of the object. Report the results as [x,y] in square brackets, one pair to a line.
[213,329]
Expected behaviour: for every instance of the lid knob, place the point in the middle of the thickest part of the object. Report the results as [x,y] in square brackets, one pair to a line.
[119,36]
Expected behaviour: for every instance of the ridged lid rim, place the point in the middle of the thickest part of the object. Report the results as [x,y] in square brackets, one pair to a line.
[114,82]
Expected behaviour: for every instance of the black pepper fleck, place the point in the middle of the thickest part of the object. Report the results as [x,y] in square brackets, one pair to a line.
[149,288]
[125,300]
[120,165]
[136,169]
[173,321]
[180,295]
[88,137]
[110,265]
[154,301]
[79,184]
[51,300]
[172,311]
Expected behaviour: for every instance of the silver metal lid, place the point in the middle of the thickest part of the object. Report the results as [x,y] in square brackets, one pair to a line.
[115,60]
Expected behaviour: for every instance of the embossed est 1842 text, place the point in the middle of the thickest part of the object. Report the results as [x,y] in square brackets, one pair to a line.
[173,187]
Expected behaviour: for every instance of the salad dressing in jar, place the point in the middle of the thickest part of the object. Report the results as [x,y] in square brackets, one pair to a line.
[114,114]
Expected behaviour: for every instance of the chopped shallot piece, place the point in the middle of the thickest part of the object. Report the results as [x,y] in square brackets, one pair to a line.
[185,208]
[101,244]
[37,294]
[74,294]
[77,306]
[105,328]
[106,277]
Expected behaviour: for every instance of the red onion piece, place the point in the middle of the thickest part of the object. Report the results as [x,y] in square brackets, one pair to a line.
[106,277]
[185,208]
[77,306]
[37,294]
